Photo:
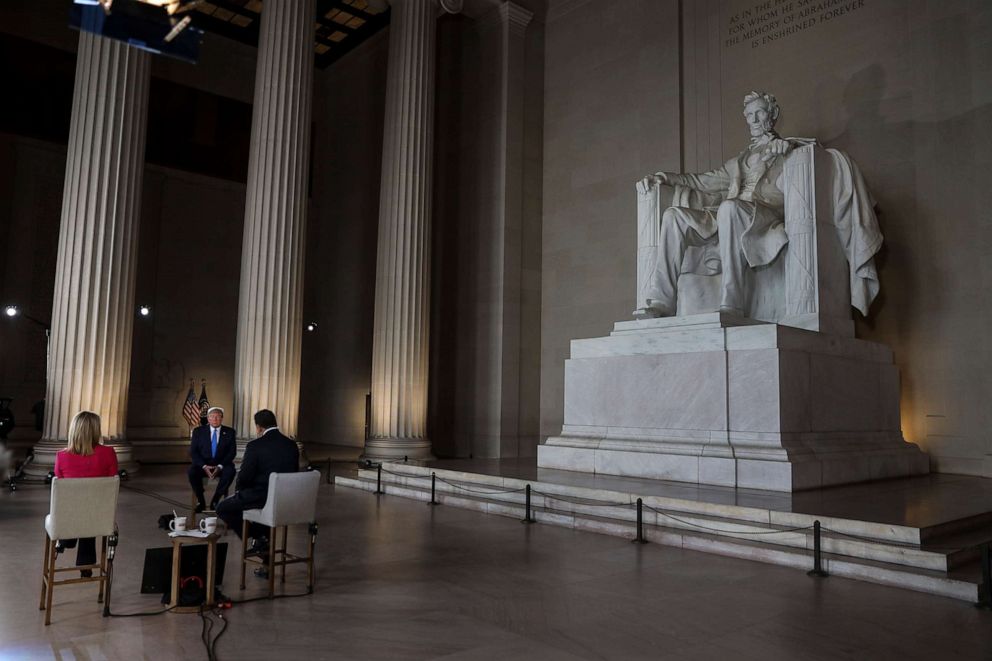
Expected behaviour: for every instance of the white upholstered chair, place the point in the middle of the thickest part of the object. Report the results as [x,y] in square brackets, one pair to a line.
[80,507]
[292,499]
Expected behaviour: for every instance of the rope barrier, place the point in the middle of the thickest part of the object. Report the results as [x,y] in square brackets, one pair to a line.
[478,491]
[588,502]
[455,485]
[725,531]
[874,540]
[584,501]
[595,503]
[156,496]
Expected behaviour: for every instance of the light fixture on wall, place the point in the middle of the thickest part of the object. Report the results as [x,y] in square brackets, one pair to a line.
[145,310]
[311,327]
[12,311]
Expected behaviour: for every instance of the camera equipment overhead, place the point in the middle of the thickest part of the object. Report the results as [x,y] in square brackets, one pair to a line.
[160,26]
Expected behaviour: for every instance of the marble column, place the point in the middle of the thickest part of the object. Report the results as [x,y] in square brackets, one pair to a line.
[270,316]
[502,437]
[93,310]
[402,287]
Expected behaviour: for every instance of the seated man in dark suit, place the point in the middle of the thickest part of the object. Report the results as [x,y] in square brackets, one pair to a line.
[270,453]
[212,449]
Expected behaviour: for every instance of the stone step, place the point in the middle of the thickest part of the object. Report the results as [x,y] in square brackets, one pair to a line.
[878,554]
[963,546]
[844,537]
[958,530]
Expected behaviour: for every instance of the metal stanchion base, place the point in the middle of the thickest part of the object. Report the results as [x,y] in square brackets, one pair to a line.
[984,598]
[818,573]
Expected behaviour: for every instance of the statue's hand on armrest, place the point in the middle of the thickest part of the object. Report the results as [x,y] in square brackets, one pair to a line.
[777,147]
[645,184]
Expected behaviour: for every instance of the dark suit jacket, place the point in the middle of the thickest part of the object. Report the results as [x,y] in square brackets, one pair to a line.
[199,447]
[269,453]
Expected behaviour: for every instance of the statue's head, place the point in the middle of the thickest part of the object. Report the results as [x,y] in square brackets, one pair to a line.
[760,112]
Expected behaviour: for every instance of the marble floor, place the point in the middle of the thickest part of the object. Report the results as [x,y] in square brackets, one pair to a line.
[397,579]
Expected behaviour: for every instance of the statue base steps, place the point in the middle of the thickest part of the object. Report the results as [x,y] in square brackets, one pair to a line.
[721,400]
[885,533]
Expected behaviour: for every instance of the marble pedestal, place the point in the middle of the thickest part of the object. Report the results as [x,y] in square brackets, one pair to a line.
[717,399]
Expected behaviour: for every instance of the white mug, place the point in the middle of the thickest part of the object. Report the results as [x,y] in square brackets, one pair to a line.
[178,524]
[208,525]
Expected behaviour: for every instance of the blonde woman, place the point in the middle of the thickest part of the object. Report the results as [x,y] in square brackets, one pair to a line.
[85,456]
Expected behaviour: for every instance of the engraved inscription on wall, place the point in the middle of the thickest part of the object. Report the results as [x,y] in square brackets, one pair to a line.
[771,20]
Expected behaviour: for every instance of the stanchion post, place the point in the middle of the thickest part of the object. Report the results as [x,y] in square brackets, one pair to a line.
[378,479]
[640,524]
[433,489]
[985,589]
[527,517]
[817,562]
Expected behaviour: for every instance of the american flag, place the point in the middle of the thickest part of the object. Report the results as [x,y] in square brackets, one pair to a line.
[191,409]
[204,403]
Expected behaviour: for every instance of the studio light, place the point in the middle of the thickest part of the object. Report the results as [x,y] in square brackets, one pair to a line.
[144,310]
[11,310]
[312,326]
[180,26]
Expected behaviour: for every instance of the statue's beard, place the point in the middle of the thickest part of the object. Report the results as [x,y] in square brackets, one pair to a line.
[759,132]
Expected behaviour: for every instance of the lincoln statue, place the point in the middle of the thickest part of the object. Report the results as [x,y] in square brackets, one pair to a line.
[739,240]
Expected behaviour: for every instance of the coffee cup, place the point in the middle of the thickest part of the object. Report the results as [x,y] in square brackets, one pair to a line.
[178,524]
[208,525]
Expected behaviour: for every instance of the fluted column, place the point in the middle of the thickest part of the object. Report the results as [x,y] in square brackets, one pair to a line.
[270,317]
[402,286]
[93,310]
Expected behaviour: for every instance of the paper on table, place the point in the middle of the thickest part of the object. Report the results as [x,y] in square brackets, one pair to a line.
[189,533]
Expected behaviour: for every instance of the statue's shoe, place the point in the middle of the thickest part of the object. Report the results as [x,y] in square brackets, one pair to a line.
[737,312]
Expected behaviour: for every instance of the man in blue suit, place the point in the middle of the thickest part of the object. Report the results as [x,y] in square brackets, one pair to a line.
[212,449]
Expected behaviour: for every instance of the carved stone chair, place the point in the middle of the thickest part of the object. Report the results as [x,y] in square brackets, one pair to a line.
[806,286]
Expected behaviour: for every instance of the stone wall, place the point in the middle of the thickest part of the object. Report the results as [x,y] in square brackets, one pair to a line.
[611,114]
[904,87]
[486,298]
[339,290]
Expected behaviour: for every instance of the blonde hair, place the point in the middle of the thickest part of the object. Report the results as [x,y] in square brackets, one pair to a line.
[84,433]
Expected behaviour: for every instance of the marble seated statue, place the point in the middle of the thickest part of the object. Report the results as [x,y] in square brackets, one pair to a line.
[718,380]
[783,232]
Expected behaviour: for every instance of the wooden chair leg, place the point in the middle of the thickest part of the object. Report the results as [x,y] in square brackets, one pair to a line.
[272,559]
[103,568]
[285,543]
[110,584]
[244,551]
[51,583]
[310,564]
[44,574]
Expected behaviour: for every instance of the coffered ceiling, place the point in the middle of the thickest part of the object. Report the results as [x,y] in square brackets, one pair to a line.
[340,26]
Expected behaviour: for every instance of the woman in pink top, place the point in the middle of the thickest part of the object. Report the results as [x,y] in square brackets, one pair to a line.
[85,456]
